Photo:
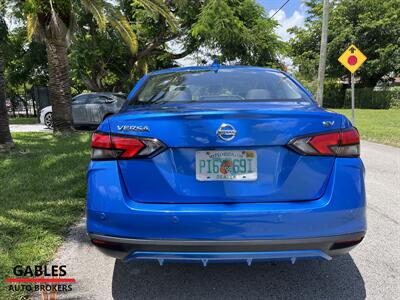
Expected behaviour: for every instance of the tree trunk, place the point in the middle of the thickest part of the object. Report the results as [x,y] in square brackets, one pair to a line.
[6,141]
[59,84]
[322,53]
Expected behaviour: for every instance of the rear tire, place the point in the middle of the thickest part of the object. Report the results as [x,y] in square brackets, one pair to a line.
[48,120]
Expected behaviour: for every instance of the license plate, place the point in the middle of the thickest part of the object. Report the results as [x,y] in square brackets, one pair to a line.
[240,165]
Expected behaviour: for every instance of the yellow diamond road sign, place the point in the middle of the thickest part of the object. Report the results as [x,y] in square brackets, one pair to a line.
[352,58]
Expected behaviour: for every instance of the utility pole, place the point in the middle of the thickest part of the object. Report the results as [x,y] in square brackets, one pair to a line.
[322,53]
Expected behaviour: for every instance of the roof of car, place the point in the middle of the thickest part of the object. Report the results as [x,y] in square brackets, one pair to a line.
[210,68]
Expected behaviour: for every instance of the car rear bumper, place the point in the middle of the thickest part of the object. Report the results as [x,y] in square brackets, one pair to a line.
[339,215]
[206,251]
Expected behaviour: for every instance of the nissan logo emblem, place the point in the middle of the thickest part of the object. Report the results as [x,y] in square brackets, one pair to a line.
[226,132]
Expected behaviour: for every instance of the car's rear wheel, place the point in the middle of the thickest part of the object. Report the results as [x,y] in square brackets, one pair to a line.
[48,120]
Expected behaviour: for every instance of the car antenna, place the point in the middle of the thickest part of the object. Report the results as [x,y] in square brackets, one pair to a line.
[215,65]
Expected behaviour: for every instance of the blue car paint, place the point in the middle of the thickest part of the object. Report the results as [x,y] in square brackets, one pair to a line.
[283,174]
[111,212]
[170,206]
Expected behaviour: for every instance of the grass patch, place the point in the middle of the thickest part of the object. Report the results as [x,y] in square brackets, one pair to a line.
[22,120]
[377,125]
[43,187]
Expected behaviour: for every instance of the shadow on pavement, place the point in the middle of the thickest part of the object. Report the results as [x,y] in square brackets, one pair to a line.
[337,279]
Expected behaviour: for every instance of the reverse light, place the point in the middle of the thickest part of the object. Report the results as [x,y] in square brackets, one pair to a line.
[344,143]
[107,147]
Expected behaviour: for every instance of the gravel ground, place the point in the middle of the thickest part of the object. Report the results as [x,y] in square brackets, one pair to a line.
[370,271]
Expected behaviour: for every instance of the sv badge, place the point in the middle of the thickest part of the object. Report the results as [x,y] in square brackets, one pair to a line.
[328,123]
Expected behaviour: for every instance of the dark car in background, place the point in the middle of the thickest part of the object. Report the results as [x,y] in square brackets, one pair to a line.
[88,109]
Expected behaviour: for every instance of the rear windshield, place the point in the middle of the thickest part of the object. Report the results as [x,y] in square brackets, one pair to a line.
[224,85]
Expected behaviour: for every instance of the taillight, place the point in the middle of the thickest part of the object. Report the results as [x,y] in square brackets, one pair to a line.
[340,143]
[107,146]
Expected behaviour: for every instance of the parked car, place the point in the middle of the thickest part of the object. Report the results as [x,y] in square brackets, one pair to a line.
[233,164]
[88,109]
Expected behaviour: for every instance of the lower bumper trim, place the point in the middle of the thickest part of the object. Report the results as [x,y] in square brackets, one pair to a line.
[206,257]
[226,250]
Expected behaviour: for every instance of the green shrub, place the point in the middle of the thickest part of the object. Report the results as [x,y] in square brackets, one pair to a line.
[337,96]
[334,94]
[369,98]
[311,86]
[395,99]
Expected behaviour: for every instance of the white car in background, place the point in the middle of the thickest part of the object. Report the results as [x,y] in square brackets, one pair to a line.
[46,116]
[88,109]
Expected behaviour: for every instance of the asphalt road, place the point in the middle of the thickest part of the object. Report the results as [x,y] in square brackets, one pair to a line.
[370,271]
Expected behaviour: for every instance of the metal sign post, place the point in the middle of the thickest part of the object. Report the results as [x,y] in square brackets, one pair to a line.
[352,59]
[352,99]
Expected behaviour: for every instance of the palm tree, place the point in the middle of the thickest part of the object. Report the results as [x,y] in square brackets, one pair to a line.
[53,21]
[6,141]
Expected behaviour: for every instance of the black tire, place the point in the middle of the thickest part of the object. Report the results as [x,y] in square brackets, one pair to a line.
[48,120]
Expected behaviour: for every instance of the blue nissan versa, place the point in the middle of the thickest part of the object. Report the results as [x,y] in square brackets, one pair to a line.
[232,164]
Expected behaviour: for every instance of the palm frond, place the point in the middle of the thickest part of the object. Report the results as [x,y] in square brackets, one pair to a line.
[2,6]
[55,29]
[104,13]
[96,8]
[158,7]
[121,24]
[32,26]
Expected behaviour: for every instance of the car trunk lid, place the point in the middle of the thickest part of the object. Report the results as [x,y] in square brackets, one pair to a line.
[282,174]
